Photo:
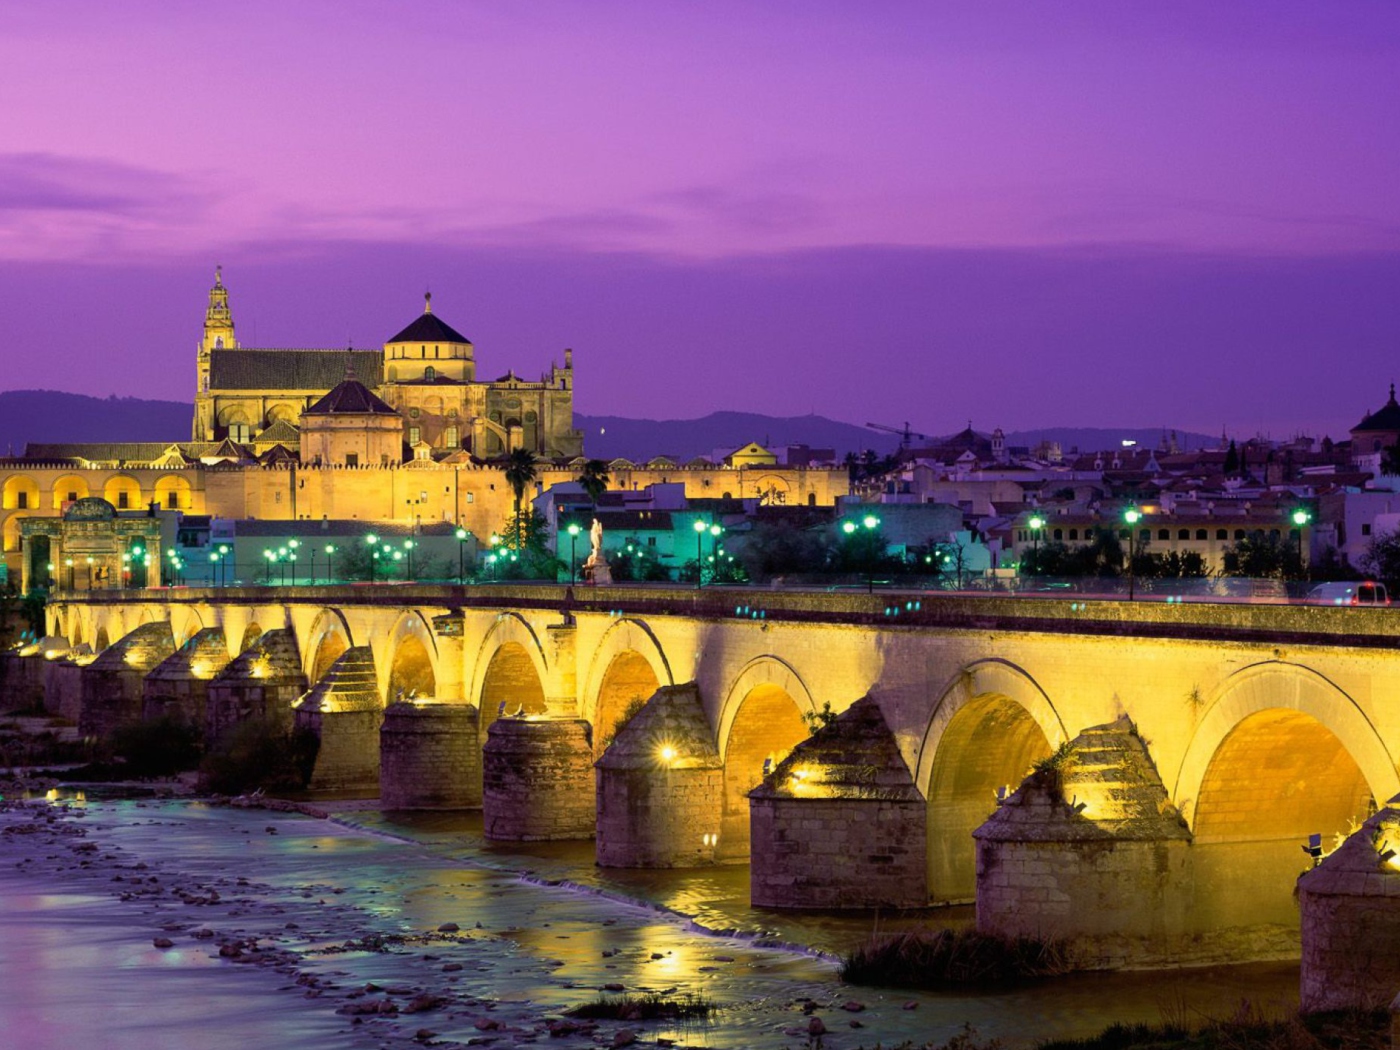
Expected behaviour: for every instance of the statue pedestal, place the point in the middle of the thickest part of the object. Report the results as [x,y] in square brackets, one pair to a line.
[597,571]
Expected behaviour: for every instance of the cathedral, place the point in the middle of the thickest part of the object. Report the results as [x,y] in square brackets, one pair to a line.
[426,374]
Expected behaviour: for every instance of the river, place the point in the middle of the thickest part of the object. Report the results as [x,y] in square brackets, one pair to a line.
[320,918]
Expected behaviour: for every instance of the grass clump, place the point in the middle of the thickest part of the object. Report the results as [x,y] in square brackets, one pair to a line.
[939,958]
[1248,1029]
[649,1007]
[259,754]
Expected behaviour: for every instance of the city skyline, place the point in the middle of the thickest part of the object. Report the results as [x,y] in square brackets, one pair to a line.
[1099,217]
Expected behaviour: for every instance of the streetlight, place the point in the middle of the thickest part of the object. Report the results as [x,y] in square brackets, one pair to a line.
[292,546]
[462,535]
[223,565]
[373,541]
[1132,516]
[330,563]
[1300,518]
[871,523]
[573,531]
[69,563]
[408,545]
[90,562]
[701,528]
[1036,524]
[715,531]
[269,556]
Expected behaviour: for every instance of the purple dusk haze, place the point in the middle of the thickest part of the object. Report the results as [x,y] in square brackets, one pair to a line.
[1015,213]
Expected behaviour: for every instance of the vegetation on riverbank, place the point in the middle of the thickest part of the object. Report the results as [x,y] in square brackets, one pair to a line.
[649,1007]
[940,958]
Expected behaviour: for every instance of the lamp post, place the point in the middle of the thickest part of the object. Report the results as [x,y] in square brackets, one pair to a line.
[373,542]
[90,563]
[715,532]
[1132,516]
[1037,523]
[462,535]
[214,567]
[330,563]
[870,523]
[69,563]
[408,546]
[292,546]
[223,565]
[573,531]
[1300,518]
[701,528]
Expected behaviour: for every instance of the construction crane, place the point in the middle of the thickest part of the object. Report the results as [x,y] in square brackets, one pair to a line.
[905,434]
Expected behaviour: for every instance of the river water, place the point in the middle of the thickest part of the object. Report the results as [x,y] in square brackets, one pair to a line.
[312,911]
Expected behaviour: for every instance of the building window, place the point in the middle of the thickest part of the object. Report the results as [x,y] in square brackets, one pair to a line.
[651,541]
[430,373]
[172,501]
[450,438]
[352,459]
[1058,534]
[1183,534]
[414,433]
[1239,534]
[1366,529]
[1201,534]
[1221,534]
[1164,534]
[21,500]
[124,501]
[413,413]
[72,497]
[1074,534]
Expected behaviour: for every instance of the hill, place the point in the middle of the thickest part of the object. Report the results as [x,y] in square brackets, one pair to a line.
[49,415]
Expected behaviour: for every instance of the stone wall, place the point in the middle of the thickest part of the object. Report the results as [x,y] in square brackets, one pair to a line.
[1351,921]
[429,757]
[661,786]
[21,681]
[837,853]
[343,709]
[839,823]
[537,780]
[63,689]
[112,684]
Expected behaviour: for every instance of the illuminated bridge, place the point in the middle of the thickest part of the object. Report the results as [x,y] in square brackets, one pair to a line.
[1186,751]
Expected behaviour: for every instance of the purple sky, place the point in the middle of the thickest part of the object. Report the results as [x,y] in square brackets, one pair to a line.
[1021,214]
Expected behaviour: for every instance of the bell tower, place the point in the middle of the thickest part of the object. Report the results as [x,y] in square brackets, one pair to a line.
[218,335]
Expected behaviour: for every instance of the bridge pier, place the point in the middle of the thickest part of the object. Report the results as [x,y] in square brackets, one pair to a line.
[344,710]
[661,786]
[537,779]
[262,682]
[839,823]
[113,684]
[1089,851]
[178,687]
[63,685]
[1350,908]
[429,756]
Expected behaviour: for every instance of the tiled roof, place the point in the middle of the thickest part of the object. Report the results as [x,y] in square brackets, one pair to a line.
[350,397]
[108,451]
[1387,417]
[429,328]
[314,370]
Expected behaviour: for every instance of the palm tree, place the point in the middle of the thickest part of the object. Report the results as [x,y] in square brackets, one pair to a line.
[521,469]
[594,478]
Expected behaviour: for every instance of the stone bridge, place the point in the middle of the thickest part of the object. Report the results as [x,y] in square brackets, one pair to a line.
[1185,751]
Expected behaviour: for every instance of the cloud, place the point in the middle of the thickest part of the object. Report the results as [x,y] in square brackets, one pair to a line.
[33,182]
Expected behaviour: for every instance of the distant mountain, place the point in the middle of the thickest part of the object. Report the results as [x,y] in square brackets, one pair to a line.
[48,415]
[607,437]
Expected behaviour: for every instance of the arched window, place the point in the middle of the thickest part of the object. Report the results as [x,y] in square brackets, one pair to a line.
[430,373]
[1201,534]
[1058,534]
[1183,534]
[1222,534]
[1074,534]
[1164,534]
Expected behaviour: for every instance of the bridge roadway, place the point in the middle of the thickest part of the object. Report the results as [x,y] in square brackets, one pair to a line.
[1265,723]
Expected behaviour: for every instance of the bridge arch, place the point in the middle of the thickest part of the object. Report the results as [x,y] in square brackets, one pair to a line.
[1282,753]
[760,722]
[410,664]
[185,622]
[992,722]
[627,664]
[511,669]
[328,638]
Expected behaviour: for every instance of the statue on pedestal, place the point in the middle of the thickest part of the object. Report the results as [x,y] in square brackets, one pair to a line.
[595,569]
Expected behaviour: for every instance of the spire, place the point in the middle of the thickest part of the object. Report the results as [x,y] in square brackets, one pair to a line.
[1392,393]
[218,276]
[428,308]
[349,360]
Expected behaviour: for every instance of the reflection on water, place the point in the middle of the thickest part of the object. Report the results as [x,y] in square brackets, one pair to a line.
[84,962]
[716,898]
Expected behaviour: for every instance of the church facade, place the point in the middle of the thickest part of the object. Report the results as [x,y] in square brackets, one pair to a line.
[426,373]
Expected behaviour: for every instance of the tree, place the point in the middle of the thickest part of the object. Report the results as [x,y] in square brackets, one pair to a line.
[521,470]
[782,548]
[1382,559]
[594,479]
[1390,459]
[1262,556]
[1232,459]
[522,554]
